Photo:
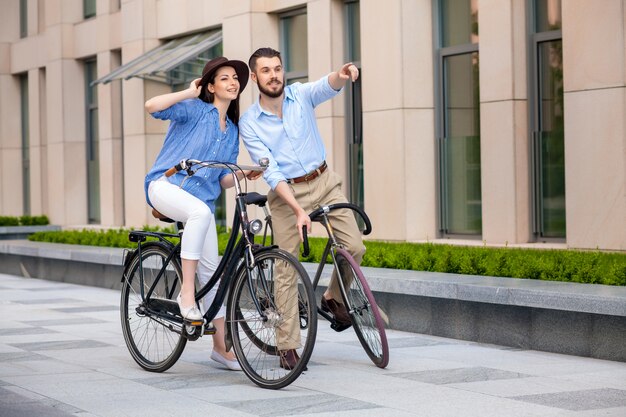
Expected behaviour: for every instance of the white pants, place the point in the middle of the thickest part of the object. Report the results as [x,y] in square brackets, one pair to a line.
[199,240]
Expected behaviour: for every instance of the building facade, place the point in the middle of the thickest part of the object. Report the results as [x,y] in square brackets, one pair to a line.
[496,121]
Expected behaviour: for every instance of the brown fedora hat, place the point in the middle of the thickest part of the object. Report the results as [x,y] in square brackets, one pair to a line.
[241,68]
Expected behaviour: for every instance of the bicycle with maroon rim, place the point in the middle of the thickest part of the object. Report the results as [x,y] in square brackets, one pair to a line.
[359,300]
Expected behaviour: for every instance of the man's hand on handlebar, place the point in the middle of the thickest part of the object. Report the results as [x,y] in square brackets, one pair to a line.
[303,219]
[253,175]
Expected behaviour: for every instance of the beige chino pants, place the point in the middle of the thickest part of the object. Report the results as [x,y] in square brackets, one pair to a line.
[322,191]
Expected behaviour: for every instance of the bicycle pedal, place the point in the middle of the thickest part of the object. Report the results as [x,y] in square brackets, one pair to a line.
[194,322]
[210,329]
[339,327]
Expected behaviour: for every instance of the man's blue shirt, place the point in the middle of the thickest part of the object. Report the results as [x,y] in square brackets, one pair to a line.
[194,132]
[293,144]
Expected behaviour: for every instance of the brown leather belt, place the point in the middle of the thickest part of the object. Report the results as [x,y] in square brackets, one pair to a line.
[310,176]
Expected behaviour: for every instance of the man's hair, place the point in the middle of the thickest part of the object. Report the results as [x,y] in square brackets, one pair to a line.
[263,53]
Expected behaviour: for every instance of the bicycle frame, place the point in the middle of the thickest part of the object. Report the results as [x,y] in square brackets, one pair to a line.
[332,243]
[238,250]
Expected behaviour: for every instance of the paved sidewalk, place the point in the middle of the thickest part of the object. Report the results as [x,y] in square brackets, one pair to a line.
[62,354]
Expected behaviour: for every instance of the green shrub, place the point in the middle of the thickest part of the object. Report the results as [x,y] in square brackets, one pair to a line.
[9,221]
[552,265]
[24,221]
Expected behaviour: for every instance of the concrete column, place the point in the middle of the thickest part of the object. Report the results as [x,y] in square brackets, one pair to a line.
[67,166]
[143,135]
[111,149]
[420,156]
[36,141]
[504,122]
[398,119]
[10,132]
[594,71]
[383,118]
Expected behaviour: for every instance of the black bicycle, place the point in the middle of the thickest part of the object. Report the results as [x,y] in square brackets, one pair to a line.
[367,319]
[256,309]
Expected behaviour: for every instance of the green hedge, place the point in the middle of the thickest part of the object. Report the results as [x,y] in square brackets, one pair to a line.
[554,265]
[24,221]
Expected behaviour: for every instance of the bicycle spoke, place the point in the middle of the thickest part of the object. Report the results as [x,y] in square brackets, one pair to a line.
[275,284]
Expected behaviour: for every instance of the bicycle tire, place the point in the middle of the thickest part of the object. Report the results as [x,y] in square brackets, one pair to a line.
[255,341]
[265,302]
[151,344]
[366,318]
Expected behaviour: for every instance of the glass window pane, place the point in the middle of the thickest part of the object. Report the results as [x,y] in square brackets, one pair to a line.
[89,8]
[354,112]
[25,144]
[353,33]
[547,15]
[93,144]
[23,18]
[461,158]
[294,48]
[551,136]
[459,22]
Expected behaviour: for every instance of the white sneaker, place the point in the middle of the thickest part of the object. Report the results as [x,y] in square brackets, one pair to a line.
[232,365]
[191,313]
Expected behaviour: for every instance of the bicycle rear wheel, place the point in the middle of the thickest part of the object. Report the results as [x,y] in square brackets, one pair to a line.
[152,345]
[286,312]
[366,318]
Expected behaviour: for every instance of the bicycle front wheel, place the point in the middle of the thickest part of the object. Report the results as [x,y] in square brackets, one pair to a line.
[364,312]
[152,345]
[272,319]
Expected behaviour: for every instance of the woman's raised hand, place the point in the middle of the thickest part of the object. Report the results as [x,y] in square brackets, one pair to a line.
[196,87]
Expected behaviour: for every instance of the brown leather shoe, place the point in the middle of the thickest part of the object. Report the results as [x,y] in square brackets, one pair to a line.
[289,359]
[338,310]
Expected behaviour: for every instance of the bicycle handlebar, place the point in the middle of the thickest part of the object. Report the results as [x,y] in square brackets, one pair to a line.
[316,213]
[188,163]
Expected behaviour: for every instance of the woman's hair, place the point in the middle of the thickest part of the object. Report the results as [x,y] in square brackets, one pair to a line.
[262,53]
[233,108]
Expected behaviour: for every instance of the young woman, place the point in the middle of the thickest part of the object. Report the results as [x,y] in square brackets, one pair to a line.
[203,125]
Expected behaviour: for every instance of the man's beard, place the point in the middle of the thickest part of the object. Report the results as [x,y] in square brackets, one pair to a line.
[272,93]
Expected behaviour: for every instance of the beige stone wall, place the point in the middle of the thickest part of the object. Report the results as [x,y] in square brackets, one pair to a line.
[595,112]
[399,112]
[504,122]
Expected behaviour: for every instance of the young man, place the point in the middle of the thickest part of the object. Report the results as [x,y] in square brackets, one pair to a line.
[281,126]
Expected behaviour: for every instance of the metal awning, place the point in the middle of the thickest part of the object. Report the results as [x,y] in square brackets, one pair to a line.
[157,63]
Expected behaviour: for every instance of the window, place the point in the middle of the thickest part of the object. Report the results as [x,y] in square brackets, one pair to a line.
[354,112]
[92,142]
[293,46]
[460,209]
[547,124]
[89,8]
[23,18]
[25,144]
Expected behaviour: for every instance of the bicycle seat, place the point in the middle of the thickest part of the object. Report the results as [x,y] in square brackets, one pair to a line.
[256,199]
[161,217]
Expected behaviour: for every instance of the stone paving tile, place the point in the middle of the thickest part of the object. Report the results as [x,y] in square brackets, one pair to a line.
[48,301]
[25,331]
[88,309]
[300,405]
[455,376]
[61,322]
[60,345]
[579,400]
[21,356]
